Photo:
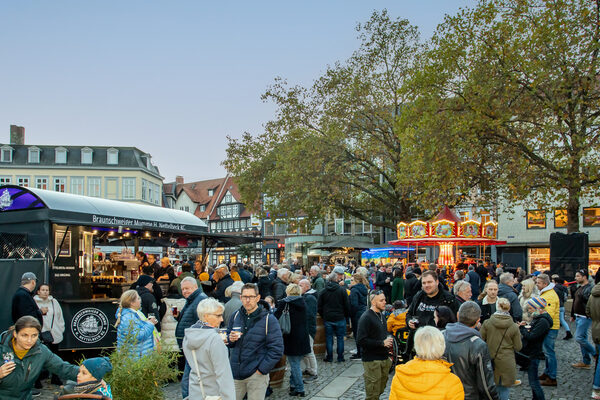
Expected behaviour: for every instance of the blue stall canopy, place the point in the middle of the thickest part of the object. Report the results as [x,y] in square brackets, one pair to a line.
[387,252]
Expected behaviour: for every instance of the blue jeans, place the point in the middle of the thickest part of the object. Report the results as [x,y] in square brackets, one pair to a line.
[185,381]
[581,336]
[339,329]
[563,321]
[503,391]
[597,374]
[551,363]
[296,382]
[534,381]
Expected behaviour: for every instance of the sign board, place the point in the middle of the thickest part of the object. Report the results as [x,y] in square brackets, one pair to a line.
[255,222]
[89,324]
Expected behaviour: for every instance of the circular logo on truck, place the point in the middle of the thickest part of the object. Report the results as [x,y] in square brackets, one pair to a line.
[89,325]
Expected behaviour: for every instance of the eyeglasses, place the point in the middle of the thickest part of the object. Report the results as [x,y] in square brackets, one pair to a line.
[376,292]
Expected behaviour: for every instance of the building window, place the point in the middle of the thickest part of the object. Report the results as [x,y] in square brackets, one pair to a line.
[536,219]
[60,155]
[33,155]
[112,156]
[77,183]
[5,180]
[60,184]
[94,187]
[591,216]
[111,188]
[464,216]
[211,192]
[228,198]
[86,155]
[486,217]
[145,190]
[128,189]
[6,154]
[23,181]
[236,224]
[560,218]
[156,195]
[203,208]
[41,182]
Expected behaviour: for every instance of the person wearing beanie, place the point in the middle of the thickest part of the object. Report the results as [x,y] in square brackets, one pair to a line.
[90,379]
[532,337]
[149,304]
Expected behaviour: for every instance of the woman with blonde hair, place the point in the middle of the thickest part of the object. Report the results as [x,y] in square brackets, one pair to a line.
[427,376]
[296,343]
[133,328]
[503,338]
[528,290]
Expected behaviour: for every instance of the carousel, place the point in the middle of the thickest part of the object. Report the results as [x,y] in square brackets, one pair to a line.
[448,232]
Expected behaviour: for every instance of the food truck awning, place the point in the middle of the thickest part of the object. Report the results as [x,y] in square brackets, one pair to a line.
[23,204]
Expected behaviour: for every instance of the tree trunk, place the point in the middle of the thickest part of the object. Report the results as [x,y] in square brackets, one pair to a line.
[573,210]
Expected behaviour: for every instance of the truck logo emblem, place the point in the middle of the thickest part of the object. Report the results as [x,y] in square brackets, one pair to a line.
[89,325]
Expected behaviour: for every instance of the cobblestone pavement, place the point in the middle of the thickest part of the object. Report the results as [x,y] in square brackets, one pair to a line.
[344,380]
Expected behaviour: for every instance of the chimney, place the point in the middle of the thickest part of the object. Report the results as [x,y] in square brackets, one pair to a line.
[179,180]
[17,134]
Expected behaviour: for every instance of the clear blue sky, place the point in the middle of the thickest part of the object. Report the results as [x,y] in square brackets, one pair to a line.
[172,78]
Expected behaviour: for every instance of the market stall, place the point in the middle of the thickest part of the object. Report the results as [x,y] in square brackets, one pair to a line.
[448,232]
[55,234]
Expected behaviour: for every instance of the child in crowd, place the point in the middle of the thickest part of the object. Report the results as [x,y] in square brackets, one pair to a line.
[90,379]
[397,319]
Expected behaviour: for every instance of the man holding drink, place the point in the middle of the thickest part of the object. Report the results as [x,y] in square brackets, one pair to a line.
[424,303]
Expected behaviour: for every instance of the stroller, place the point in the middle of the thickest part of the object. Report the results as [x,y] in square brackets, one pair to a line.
[401,350]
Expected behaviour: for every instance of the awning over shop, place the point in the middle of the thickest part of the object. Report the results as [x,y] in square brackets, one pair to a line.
[348,242]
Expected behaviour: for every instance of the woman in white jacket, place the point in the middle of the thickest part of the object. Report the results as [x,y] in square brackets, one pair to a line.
[54,321]
[207,354]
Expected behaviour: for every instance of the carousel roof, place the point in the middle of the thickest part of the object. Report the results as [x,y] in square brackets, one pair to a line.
[458,241]
[448,215]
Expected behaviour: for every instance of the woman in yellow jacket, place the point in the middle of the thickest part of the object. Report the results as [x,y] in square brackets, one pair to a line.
[427,376]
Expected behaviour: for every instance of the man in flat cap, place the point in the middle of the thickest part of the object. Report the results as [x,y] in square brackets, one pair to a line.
[23,302]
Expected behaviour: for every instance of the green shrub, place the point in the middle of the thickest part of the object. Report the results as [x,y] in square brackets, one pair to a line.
[143,378]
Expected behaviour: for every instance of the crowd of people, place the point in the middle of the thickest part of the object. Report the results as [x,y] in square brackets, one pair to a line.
[235,323]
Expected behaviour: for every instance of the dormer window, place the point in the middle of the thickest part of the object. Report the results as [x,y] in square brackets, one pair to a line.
[34,155]
[60,155]
[211,192]
[203,208]
[86,155]
[228,198]
[112,156]
[6,154]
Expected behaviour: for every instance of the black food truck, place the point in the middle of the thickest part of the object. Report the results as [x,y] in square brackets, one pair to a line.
[53,235]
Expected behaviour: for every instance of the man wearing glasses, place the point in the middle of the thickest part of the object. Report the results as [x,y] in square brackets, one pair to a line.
[256,345]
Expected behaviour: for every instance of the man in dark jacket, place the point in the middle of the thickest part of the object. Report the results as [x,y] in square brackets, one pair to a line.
[186,318]
[412,284]
[373,339]
[384,281]
[427,300]
[334,307]
[469,354]
[165,272]
[224,280]
[473,278]
[156,290]
[149,305]
[186,270]
[483,274]
[505,289]
[310,298]
[23,302]
[582,321]
[256,345]
[280,283]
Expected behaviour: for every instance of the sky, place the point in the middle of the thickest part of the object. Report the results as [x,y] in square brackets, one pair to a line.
[172,78]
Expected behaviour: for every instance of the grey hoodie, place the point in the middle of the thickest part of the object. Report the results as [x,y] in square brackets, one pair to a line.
[213,363]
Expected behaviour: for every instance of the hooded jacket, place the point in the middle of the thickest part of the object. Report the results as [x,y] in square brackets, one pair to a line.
[426,380]
[149,305]
[471,361]
[17,385]
[552,304]
[509,294]
[213,363]
[592,309]
[333,303]
[503,338]
[310,298]
[53,320]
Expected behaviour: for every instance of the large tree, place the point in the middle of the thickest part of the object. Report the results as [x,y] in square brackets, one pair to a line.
[349,143]
[520,79]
